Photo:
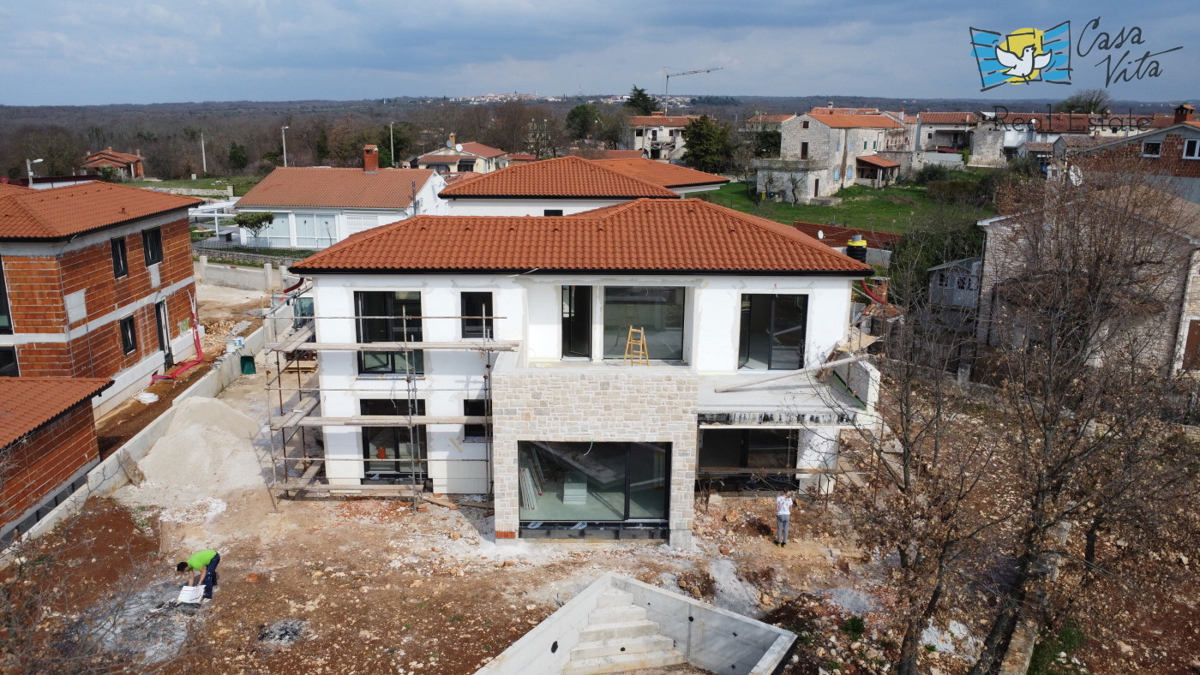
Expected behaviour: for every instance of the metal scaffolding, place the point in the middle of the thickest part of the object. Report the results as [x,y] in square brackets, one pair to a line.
[291,338]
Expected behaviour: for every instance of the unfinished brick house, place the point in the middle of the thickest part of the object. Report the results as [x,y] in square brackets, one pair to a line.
[1173,151]
[95,281]
[47,446]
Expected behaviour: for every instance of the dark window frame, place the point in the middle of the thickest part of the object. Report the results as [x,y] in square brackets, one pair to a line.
[750,310]
[804,150]
[1157,152]
[477,407]
[552,212]
[393,363]
[9,368]
[577,316]
[128,328]
[417,438]
[120,257]
[6,325]
[152,246]
[1195,143]
[482,327]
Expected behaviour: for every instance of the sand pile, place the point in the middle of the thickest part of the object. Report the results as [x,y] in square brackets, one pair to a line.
[208,451]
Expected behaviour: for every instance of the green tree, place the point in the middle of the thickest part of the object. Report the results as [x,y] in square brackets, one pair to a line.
[709,144]
[582,121]
[238,159]
[641,102]
[1089,101]
[255,222]
[613,129]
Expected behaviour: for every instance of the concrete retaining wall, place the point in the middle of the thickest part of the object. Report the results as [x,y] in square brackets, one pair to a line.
[108,476]
[267,278]
[712,638]
[547,648]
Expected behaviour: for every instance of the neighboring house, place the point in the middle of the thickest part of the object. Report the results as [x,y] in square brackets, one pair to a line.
[511,159]
[47,446]
[1042,153]
[660,135]
[316,207]
[954,293]
[998,137]
[1170,325]
[766,122]
[945,131]
[1172,151]
[679,179]
[880,245]
[1069,145]
[95,281]
[597,153]
[550,187]
[129,167]
[467,157]
[505,340]
[823,152]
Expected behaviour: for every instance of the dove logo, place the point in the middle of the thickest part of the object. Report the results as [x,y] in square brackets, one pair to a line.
[1023,56]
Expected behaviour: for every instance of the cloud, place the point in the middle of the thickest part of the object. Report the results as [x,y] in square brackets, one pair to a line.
[82,51]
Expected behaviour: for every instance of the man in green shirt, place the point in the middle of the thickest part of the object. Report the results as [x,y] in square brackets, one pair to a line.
[202,565]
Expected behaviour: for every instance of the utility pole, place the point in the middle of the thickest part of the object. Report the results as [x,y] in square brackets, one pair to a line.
[667,72]
[392,137]
[203,158]
[29,169]
[284,132]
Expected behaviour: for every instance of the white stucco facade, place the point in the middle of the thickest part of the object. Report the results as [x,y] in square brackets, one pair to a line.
[529,311]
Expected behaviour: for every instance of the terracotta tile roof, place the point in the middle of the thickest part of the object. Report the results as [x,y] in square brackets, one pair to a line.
[948,117]
[770,119]
[563,177]
[481,149]
[876,160]
[844,111]
[1079,140]
[28,403]
[643,235]
[858,121]
[110,156]
[833,235]
[59,213]
[1193,123]
[12,188]
[1033,146]
[661,120]
[661,173]
[336,188]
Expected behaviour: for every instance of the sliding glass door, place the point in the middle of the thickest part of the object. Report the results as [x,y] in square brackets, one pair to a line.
[593,482]
[577,321]
[773,332]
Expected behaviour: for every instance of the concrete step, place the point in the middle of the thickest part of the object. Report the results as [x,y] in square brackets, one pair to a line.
[638,645]
[616,631]
[623,663]
[622,614]
[614,598]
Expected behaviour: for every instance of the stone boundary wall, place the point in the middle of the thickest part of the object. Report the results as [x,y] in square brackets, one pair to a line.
[265,279]
[194,192]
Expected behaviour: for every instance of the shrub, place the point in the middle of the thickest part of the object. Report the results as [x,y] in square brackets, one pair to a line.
[854,627]
[930,173]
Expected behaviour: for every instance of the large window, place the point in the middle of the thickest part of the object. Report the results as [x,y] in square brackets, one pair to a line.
[392,452]
[1191,149]
[313,231]
[748,448]
[657,309]
[6,326]
[477,313]
[773,330]
[593,482]
[120,261]
[8,362]
[128,335]
[577,321]
[477,408]
[152,248]
[1151,149]
[384,317]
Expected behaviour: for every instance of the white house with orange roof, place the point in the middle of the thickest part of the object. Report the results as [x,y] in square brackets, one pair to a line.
[660,135]
[469,157]
[473,355]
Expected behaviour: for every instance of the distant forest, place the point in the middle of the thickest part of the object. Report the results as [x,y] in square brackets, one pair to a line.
[243,137]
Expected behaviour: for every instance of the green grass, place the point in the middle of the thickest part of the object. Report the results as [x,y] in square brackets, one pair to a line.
[890,209]
[1045,659]
[241,184]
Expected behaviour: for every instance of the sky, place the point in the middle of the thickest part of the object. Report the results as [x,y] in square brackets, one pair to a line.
[79,52]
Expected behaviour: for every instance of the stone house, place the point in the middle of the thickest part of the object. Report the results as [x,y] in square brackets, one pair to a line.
[823,151]
[513,363]
[1170,325]
[47,446]
[318,206]
[128,166]
[96,280]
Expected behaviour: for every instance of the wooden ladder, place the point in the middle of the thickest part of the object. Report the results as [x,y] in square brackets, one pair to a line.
[635,347]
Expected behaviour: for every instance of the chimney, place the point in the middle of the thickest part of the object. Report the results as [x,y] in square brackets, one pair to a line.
[830,106]
[453,140]
[1184,113]
[902,114]
[370,159]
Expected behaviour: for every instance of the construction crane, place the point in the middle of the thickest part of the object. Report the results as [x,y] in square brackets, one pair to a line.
[667,72]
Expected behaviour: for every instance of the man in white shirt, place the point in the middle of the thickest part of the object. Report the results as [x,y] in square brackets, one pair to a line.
[783,517]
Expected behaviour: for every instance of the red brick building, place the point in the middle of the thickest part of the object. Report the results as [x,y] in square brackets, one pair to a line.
[1173,151]
[96,280]
[47,446]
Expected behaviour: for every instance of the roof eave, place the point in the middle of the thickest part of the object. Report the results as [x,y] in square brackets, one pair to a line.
[443,195]
[101,228]
[313,271]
